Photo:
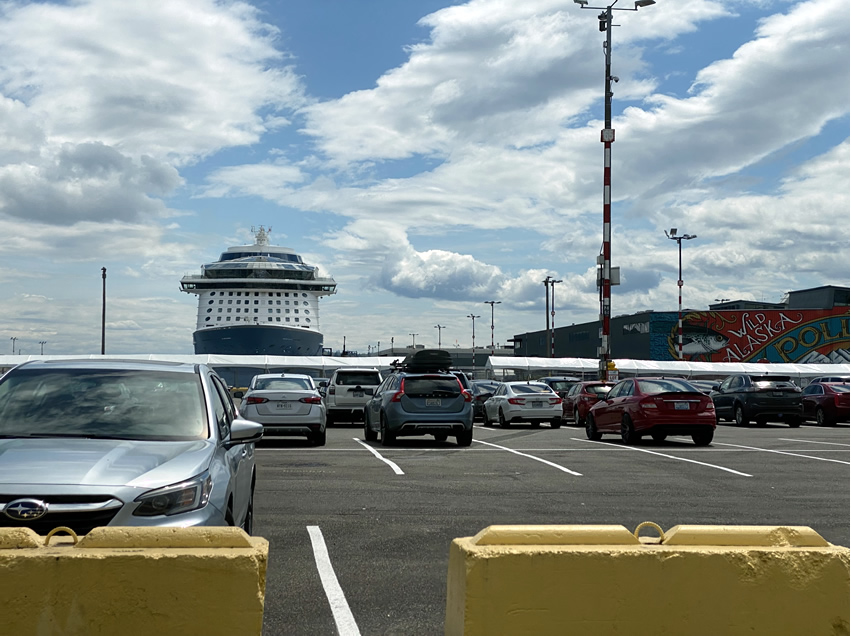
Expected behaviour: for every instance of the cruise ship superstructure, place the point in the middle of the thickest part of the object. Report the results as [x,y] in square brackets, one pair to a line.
[258,299]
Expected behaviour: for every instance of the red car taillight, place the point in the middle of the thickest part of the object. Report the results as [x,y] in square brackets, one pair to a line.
[332,390]
[468,397]
[556,400]
[649,403]
[518,401]
[397,397]
[255,400]
[314,399]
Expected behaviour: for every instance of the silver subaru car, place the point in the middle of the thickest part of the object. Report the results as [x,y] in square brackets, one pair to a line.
[89,443]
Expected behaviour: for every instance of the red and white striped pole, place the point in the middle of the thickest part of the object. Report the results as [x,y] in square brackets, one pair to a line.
[607,136]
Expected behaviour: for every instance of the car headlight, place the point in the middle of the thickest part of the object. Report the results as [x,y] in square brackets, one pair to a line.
[177,498]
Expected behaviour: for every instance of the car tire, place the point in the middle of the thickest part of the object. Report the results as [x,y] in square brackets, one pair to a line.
[318,438]
[659,436]
[487,420]
[703,438]
[794,422]
[822,419]
[578,420]
[591,431]
[387,438]
[329,419]
[628,434]
[536,424]
[502,421]
[555,422]
[739,415]
[464,439]
[440,437]
[369,435]
[248,522]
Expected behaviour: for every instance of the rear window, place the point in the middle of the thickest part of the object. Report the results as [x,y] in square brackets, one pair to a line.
[562,385]
[840,388]
[355,378]
[665,386]
[283,384]
[427,386]
[598,389]
[530,388]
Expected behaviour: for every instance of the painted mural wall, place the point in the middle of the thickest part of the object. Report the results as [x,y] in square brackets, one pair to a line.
[784,335]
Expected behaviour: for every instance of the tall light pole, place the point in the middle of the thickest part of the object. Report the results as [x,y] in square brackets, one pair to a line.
[439,329]
[473,316]
[679,239]
[103,315]
[553,316]
[546,282]
[13,338]
[42,343]
[413,340]
[492,303]
[607,136]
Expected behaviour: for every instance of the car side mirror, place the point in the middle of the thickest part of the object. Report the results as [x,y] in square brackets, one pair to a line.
[716,387]
[238,394]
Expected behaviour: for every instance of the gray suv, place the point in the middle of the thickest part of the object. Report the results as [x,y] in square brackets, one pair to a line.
[420,404]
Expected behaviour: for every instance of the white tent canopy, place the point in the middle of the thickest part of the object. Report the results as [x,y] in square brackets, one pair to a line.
[568,366]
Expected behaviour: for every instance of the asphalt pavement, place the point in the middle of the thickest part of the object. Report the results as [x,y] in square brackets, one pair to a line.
[360,533]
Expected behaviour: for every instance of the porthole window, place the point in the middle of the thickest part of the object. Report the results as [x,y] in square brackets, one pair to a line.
[210,302]
[304,303]
[307,311]
[212,293]
[210,310]
[307,320]
[303,295]
[207,318]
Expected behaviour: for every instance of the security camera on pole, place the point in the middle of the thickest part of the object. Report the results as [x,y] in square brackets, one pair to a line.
[607,136]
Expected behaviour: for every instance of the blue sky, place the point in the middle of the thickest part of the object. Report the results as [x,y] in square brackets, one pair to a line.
[429,155]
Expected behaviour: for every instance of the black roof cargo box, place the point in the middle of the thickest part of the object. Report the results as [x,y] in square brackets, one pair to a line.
[427,361]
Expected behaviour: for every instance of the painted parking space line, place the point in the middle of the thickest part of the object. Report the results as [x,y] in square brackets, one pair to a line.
[346,625]
[812,441]
[681,459]
[537,459]
[768,450]
[395,467]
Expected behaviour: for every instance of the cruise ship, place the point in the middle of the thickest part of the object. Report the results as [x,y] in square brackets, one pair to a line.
[258,299]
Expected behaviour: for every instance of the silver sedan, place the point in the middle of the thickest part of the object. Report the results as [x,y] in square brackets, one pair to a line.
[285,404]
[533,402]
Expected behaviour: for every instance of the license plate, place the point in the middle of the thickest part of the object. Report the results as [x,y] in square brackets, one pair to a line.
[432,401]
[283,406]
[536,405]
[357,393]
[778,394]
[681,406]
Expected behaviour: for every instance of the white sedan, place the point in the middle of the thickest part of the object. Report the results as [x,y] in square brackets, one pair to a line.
[533,402]
[285,404]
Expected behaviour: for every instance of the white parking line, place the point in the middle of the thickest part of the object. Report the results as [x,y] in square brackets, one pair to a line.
[811,441]
[395,468]
[346,625]
[768,450]
[682,459]
[537,459]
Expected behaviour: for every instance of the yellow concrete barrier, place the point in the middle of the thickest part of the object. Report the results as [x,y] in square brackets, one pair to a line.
[606,580]
[129,581]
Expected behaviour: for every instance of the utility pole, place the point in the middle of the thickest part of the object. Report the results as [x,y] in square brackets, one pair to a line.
[474,341]
[13,339]
[439,329]
[679,239]
[42,343]
[546,282]
[492,303]
[553,315]
[413,340]
[103,315]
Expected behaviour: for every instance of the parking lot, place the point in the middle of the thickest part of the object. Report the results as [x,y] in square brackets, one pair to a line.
[360,534]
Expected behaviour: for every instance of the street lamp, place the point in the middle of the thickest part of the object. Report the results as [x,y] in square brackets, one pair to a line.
[473,316]
[546,283]
[42,343]
[492,303]
[553,316]
[679,239]
[607,136]
[13,338]
[439,329]
[413,340]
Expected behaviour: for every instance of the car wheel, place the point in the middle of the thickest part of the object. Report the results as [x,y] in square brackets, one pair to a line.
[440,437]
[387,438]
[591,431]
[822,419]
[794,422]
[659,436]
[555,422]
[248,523]
[465,438]
[502,421]
[703,438]
[318,438]
[487,420]
[739,416]
[577,419]
[628,434]
[368,434]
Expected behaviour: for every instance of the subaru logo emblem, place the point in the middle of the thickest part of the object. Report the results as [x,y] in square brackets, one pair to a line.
[25,509]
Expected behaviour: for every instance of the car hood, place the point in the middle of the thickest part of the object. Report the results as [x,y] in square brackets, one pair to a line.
[90,462]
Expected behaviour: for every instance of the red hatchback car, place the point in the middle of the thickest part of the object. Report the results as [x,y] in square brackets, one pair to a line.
[653,406]
[581,397]
[826,402]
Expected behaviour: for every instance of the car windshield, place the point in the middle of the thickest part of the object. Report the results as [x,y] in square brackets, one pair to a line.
[99,403]
[598,389]
[530,388]
[562,385]
[651,387]
[282,384]
[358,378]
[761,380]
[423,386]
